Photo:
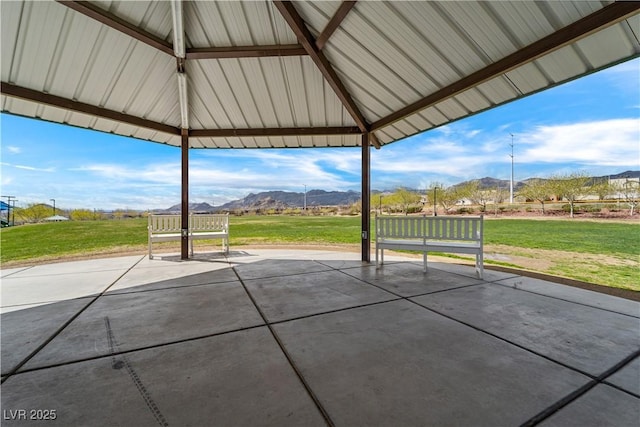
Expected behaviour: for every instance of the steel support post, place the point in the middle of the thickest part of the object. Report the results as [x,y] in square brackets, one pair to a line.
[366,199]
[184,211]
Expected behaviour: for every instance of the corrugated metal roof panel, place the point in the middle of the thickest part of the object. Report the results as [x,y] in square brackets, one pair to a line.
[101,67]
[317,14]
[473,98]
[599,50]
[479,27]
[568,12]
[59,115]
[453,49]
[151,16]
[263,92]
[387,54]
[11,13]
[231,23]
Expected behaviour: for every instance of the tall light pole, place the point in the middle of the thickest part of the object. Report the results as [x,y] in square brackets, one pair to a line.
[511,183]
[305,197]
[54,206]
[435,205]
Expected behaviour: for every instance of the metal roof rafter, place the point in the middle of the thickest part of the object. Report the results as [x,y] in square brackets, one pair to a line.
[598,20]
[299,131]
[14,91]
[94,12]
[110,20]
[334,23]
[296,23]
[68,104]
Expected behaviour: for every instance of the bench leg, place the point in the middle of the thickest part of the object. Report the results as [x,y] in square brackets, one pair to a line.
[480,266]
[225,242]
[424,261]
[150,252]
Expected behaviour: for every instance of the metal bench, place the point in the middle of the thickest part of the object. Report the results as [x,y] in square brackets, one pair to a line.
[451,234]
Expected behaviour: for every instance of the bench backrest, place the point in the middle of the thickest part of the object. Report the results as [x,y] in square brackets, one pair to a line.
[164,223]
[404,227]
[465,228]
[173,223]
[209,222]
[454,228]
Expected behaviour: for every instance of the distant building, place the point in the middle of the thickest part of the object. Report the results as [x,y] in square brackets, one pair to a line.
[57,218]
[624,177]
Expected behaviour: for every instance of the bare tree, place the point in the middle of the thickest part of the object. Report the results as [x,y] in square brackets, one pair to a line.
[630,191]
[499,196]
[479,196]
[572,187]
[538,190]
[406,199]
[34,212]
[85,215]
[602,188]
[436,194]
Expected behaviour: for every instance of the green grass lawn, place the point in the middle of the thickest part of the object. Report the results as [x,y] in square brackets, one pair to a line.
[605,253]
[607,238]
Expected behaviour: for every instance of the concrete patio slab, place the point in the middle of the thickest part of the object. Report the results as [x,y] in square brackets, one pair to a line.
[398,364]
[174,342]
[569,293]
[277,268]
[238,379]
[142,319]
[23,331]
[292,296]
[628,378]
[467,270]
[9,271]
[600,406]
[586,338]
[21,289]
[148,277]
[86,266]
[408,279]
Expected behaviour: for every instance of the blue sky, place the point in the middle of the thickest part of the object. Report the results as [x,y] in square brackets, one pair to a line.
[590,125]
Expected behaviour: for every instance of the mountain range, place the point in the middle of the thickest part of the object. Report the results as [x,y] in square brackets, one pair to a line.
[290,199]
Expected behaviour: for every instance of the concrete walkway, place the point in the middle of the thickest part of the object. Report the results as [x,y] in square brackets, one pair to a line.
[304,338]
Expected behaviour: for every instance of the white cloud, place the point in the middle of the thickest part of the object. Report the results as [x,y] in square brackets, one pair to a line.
[153,173]
[29,168]
[13,149]
[457,156]
[597,143]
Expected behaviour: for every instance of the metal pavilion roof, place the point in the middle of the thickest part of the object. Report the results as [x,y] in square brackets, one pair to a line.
[243,74]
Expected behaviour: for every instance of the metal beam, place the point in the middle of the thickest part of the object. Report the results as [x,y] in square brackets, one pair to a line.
[184,205]
[110,20]
[334,23]
[245,51]
[584,27]
[293,18]
[374,140]
[366,199]
[68,104]
[222,133]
